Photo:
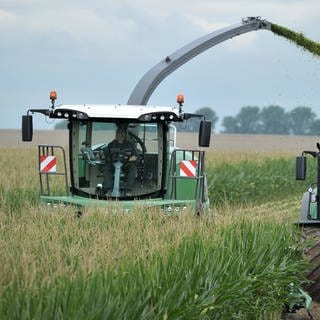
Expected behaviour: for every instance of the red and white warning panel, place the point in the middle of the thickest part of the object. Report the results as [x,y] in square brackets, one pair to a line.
[188,168]
[48,164]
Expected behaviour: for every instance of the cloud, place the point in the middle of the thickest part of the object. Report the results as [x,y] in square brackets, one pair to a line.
[205,14]
[83,30]
[6,17]
[85,26]
[206,25]
[121,22]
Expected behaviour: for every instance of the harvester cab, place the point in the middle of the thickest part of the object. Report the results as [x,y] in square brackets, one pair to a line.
[145,167]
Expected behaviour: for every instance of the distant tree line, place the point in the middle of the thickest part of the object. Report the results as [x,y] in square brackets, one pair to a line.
[273,120]
[267,120]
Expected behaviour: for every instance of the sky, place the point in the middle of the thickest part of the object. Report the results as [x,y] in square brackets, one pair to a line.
[96,52]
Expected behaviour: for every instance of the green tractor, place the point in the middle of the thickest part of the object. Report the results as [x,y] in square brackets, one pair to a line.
[162,175]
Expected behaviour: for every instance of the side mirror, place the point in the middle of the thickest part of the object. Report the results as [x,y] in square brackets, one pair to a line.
[27,128]
[301,168]
[204,133]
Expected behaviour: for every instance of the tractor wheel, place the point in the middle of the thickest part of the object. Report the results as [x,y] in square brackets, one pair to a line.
[312,252]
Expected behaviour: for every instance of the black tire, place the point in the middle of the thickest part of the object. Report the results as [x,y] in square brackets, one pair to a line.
[312,252]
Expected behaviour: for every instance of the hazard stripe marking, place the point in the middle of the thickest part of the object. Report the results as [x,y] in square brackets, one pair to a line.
[188,168]
[48,164]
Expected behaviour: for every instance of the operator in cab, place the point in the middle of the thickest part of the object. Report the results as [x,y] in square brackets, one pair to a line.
[120,149]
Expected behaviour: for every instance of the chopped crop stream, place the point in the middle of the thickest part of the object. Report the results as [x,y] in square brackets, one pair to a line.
[297,38]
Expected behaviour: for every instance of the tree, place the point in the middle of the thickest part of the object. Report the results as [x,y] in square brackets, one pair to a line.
[248,119]
[301,120]
[230,125]
[315,127]
[274,120]
[209,114]
[192,125]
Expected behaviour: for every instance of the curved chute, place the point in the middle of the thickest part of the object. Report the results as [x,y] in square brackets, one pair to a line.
[150,81]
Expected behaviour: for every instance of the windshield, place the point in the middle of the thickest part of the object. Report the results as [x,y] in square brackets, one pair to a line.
[117,159]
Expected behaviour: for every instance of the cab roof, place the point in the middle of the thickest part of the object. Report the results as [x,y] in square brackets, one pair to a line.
[118,111]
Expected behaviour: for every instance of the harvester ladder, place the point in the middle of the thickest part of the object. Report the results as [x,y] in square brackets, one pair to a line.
[179,155]
[50,151]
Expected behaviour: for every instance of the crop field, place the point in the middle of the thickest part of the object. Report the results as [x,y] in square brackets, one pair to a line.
[237,263]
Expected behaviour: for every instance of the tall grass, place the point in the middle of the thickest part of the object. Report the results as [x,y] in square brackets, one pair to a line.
[111,265]
[252,181]
[19,184]
[171,268]
[19,179]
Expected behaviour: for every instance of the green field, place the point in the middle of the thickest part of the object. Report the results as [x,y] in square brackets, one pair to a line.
[236,264]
